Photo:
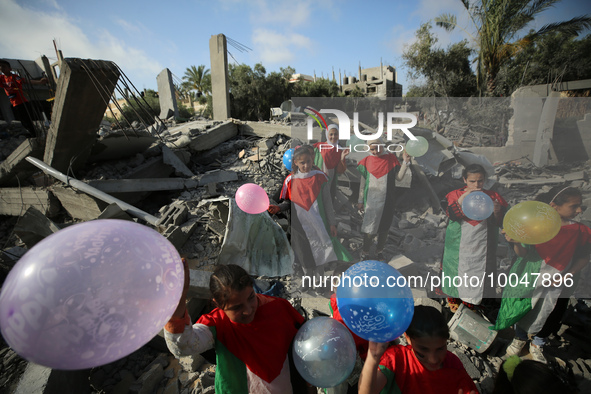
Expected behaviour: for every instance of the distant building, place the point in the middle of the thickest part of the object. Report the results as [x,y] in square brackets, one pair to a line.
[303,77]
[374,82]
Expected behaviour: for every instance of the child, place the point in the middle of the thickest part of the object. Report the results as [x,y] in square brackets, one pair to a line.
[330,157]
[379,173]
[528,377]
[425,366]
[13,87]
[538,310]
[251,334]
[470,245]
[313,230]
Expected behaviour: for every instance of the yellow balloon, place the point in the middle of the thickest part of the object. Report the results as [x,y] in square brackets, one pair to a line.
[532,222]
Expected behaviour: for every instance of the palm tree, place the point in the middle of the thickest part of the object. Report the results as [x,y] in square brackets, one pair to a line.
[197,78]
[497,23]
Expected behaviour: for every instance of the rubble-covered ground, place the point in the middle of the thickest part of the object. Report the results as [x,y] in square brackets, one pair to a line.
[417,234]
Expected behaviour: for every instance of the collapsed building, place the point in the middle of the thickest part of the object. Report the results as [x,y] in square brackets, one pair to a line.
[180,179]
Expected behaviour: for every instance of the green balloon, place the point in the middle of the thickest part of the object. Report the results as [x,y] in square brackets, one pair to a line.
[417,148]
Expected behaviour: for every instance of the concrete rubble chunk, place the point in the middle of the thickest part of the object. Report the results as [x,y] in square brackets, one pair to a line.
[169,157]
[214,136]
[78,205]
[144,185]
[265,130]
[15,201]
[34,226]
[15,164]
[148,381]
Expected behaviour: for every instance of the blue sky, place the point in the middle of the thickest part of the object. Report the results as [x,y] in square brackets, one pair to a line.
[144,37]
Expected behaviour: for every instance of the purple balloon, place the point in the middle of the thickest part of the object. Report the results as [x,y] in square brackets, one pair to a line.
[252,198]
[90,294]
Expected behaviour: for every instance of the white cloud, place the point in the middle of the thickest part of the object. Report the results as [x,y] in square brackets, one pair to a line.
[129,26]
[42,27]
[276,48]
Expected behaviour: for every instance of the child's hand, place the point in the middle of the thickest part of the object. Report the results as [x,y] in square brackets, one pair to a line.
[508,238]
[273,209]
[360,207]
[377,349]
[333,230]
[345,153]
[405,156]
[496,208]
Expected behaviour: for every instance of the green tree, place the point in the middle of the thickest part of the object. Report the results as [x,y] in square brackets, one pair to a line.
[198,79]
[555,57]
[446,73]
[497,24]
[142,109]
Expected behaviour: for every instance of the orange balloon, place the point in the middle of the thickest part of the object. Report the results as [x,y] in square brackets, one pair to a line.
[532,222]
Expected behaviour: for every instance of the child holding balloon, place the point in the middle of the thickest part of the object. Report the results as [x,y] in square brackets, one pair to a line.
[313,229]
[538,305]
[379,173]
[424,366]
[251,334]
[470,245]
[330,157]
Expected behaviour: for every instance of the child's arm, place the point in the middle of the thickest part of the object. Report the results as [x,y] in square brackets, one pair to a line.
[342,166]
[361,193]
[181,338]
[372,380]
[403,166]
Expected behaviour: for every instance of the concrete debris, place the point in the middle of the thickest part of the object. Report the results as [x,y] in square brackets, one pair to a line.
[181,178]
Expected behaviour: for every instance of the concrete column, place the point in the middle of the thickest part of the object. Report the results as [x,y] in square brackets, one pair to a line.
[83,92]
[168,106]
[218,53]
[545,130]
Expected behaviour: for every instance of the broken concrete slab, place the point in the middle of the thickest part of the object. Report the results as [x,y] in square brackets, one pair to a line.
[94,192]
[214,136]
[159,184]
[531,182]
[119,146]
[78,205]
[78,110]
[113,211]
[15,164]
[143,185]
[265,130]
[34,226]
[170,158]
[545,130]
[15,201]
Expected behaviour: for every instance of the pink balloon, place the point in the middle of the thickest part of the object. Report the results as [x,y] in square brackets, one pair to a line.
[90,294]
[252,198]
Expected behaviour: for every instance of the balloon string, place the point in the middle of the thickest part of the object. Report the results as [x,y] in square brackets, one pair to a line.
[553,198]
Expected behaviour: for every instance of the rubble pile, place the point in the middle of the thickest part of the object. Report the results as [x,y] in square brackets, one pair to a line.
[185,177]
